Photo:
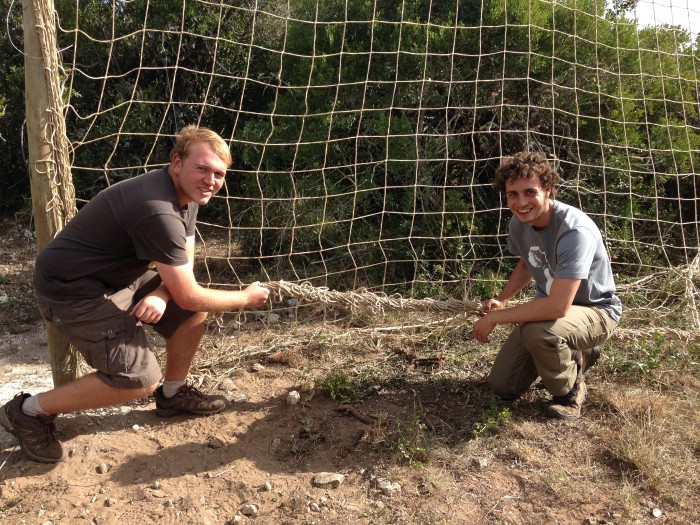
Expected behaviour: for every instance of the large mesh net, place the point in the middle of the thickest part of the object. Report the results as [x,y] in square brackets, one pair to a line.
[365,133]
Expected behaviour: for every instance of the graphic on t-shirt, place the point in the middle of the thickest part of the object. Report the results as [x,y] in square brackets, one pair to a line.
[538,259]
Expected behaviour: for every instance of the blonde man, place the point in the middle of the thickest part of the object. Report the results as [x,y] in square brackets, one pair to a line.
[125,260]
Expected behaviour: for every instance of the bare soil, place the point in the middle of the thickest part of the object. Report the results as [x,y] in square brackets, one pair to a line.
[420,441]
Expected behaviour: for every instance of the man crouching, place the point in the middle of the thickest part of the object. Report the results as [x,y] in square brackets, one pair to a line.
[557,334]
[126,259]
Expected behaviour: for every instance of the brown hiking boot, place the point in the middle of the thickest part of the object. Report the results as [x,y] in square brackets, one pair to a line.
[188,400]
[37,435]
[569,406]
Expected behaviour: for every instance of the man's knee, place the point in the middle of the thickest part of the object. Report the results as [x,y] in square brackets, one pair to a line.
[200,317]
[175,318]
[141,382]
[141,392]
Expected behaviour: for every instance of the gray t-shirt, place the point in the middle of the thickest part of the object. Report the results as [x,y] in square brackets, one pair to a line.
[114,237]
[570,247]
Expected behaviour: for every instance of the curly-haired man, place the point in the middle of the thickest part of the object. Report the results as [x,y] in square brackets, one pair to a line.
[556,334]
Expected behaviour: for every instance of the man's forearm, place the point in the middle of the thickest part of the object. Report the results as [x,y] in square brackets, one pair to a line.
[519,278]
[202,299]
[533,310]
[553,306]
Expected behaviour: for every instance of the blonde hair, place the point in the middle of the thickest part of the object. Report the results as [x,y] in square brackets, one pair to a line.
[190,135]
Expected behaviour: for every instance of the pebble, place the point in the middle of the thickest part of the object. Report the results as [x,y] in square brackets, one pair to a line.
[313,507]
[227,385]
[215,442]
[257,367]
[110,502]
[275,444]
[240,398]
[102,468]
[267,486]
[481,463]
[249,509]
[169,504]
[656,512]
[293,397]
[327,480]
[234,520]
[387,487]
[379,505]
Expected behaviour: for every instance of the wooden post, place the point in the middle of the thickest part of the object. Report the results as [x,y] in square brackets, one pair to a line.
[53,197]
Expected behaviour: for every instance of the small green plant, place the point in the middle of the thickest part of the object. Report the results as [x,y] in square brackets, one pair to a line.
[4,280]
[410,442]
[653,353]
[492,419]
[339,386]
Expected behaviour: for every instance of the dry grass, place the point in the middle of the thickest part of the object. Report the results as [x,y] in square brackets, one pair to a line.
[471,458]
[657,438]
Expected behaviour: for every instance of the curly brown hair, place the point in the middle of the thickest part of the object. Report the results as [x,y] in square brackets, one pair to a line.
[190,135]
[528,165]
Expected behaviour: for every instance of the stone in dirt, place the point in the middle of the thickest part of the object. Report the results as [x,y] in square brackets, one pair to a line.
[327,480]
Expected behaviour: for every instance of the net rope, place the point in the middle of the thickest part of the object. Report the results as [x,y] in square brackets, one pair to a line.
[361,301]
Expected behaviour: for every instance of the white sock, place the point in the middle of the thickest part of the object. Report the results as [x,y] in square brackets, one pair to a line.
[170,387]
[31,407]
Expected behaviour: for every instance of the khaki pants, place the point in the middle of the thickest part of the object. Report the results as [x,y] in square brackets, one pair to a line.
[544,349]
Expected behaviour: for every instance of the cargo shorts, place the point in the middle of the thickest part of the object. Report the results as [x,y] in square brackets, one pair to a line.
[110,340]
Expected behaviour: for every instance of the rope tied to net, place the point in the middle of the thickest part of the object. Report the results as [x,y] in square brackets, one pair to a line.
[362,299]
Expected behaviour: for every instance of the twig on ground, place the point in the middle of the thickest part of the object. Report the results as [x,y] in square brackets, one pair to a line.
[349,409]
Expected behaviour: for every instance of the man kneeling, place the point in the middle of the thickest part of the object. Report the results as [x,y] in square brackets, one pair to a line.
[557,333]
[124,260]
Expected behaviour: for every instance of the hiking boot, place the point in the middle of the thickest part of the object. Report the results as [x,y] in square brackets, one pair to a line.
[568,406]
[37,435]
[188,400]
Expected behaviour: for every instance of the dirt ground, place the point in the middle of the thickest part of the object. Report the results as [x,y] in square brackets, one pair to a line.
[418,442]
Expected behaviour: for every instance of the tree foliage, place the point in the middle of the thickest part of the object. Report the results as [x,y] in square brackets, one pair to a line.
[14,181]
[366,128]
